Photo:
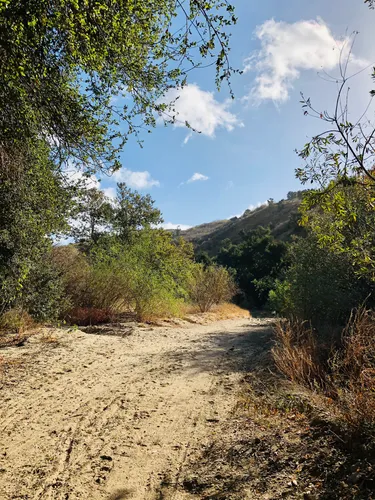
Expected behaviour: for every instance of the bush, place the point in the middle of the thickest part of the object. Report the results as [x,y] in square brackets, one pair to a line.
[15,321]
[148,275]
[43,294]
[211,285]
[152,275]
[40,292]
[320,286]
[280,299]
[74,270]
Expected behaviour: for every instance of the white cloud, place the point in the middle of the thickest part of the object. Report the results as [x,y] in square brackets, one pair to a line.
[197,177]
[170,225]
[200,110]
[286,49]
[134,179]
[74,176]
[110,192]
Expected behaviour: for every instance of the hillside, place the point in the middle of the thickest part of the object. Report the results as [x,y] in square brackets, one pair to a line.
[281,217]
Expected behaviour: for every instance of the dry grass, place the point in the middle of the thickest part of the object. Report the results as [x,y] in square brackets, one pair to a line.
[86,316]
[15,328]
[347,376]
[16,321]
[296,354]
[223,311]
[353,369]
[228,311]
[48,338]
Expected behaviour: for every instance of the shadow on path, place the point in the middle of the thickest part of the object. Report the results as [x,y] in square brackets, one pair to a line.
[225,351]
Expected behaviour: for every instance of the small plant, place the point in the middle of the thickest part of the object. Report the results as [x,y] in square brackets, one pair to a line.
[49,339]
[15,321]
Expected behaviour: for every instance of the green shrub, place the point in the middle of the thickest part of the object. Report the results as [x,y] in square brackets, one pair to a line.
[320,286]
[152,276]
[74,270]
[280,299]
[211,285]
[43,294]
[148,276]
[15,321]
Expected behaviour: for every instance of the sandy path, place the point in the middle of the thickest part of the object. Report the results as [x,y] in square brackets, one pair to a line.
[105,417]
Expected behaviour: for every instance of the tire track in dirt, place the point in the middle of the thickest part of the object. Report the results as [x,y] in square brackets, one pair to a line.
[102,417]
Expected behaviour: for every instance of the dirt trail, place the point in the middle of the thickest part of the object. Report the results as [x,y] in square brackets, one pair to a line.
[111,417]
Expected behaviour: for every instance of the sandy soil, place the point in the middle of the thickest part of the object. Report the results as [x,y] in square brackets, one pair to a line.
[117,415]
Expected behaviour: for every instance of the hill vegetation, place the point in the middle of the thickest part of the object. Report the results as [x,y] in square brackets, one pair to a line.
[281,217]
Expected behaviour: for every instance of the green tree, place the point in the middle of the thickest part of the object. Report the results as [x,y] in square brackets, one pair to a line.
[133,211]
[339,162]
[63,61]
[257,261]
[94,215]
[34,202]
[203,258]
[320,286]
[97,215]
[342,219]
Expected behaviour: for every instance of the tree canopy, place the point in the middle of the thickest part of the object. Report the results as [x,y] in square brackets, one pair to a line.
[64,62]
[97,215]
[257,261]
[339,163]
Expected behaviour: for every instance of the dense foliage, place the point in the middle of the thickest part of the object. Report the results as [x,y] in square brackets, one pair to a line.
[33,203]
[151,275]
[64,61]
[320,286]
[327,342]
[258,260]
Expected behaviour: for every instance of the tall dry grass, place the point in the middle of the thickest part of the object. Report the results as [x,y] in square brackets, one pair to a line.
[345,374]
[296,354]
[15,327]
[353,369]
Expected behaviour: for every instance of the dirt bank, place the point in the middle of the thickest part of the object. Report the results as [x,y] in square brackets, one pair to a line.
[115,416]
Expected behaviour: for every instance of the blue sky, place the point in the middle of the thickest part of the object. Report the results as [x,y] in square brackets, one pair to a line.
[245,153]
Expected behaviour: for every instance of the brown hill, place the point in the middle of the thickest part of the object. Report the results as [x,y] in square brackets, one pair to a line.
[281,217]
